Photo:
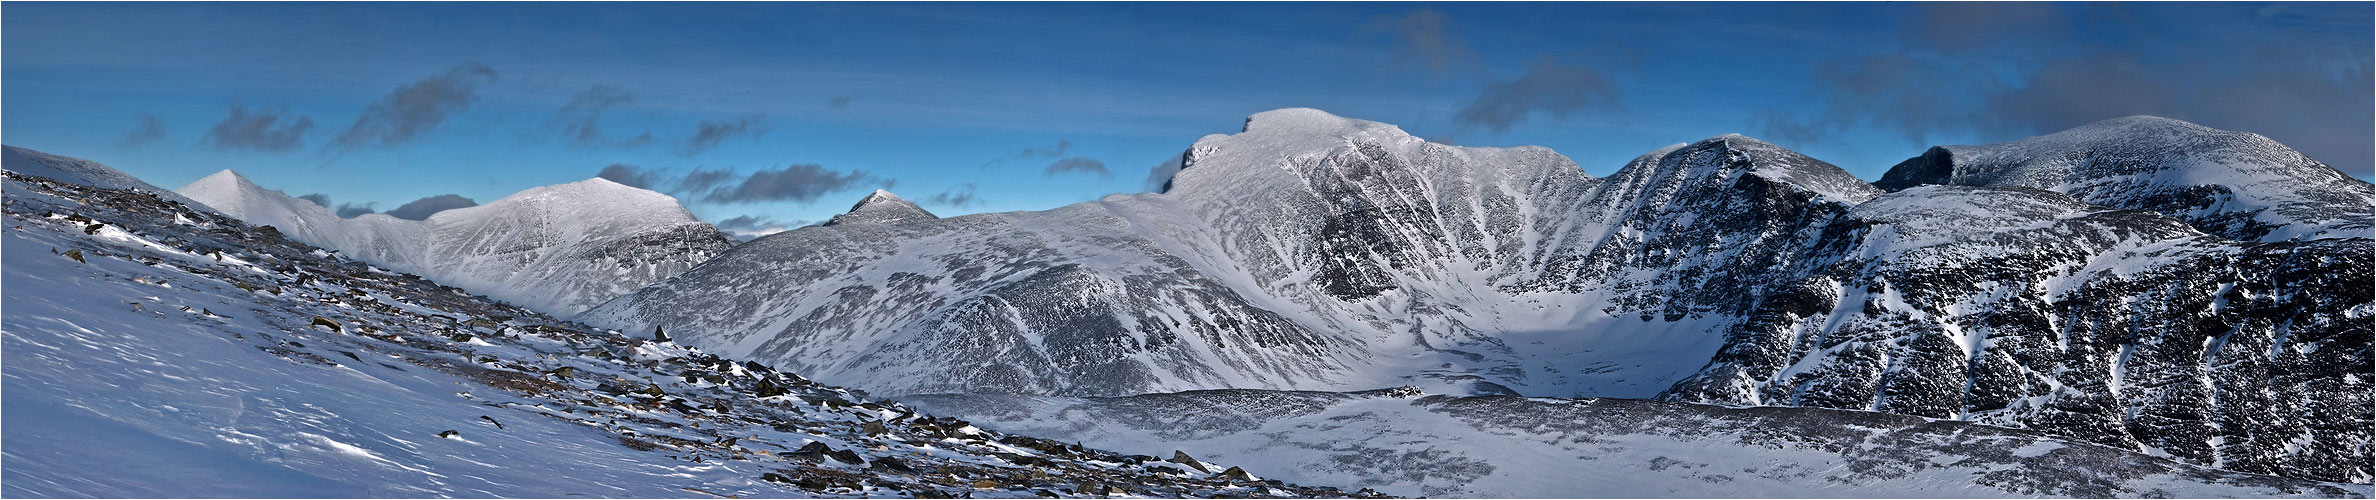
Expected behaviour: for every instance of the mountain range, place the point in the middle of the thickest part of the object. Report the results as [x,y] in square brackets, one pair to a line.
[560,248]
[2143,283]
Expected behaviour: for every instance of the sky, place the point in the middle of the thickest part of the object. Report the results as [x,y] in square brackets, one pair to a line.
[773,115]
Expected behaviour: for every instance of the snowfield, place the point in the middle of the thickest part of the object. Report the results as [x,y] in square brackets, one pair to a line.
[1403,442]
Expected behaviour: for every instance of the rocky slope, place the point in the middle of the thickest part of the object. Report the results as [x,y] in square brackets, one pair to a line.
[155,349]
[558,249]
[81,171]
[1316,252]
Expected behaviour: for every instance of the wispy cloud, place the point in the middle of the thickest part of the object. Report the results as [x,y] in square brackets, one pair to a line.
[629,175]
[1424,35]
[750,227]
[709,133]
[1079,164]
[960,196]
[802,183]
[415,108]
[1059,159]
[349,211]
[1551,87]
[580,121]
[261,130]
[149,130]
[422,208]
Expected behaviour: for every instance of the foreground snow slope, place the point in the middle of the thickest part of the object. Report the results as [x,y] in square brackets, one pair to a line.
[557,249]
[152,350]
[1404,443]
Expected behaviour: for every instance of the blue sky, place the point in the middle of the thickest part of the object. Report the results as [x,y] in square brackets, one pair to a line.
[776,114]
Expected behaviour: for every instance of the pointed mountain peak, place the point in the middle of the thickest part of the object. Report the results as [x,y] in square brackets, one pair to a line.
[228,186]
[881,207]
[878,197]
[224,176]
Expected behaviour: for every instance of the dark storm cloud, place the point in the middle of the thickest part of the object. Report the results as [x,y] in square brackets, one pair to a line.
[803,182]
[1424,35]
[349,211]
[2082,64]
[261,130]
[416,108]
[1159,177]
[627,175]
[960,196]
[1551,87]
[421,209]
[317,199]
[580,121]
[708,133]
[149,130]
[1080,164]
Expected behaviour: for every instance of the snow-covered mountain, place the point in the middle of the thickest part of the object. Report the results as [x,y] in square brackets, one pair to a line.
[558,249]
[153,349]
[1402,442]
[1315,252]
[2234,184]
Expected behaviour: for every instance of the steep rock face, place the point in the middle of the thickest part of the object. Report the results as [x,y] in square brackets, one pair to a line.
[2027,308]
[1688,232]
[2237,185]
[1314,252]
[560,248]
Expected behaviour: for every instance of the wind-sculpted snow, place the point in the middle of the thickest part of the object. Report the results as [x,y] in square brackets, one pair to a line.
[1401,442]
[1313,252]
[2238,185]
[559,249]
[153,349]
